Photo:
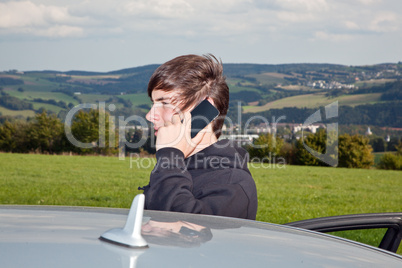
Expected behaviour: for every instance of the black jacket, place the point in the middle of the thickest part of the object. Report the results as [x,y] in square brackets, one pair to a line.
[214,181]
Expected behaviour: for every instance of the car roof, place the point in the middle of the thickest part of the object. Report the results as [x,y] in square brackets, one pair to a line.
[41,236]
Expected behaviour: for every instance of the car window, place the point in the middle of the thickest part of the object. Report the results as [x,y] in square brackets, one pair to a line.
[371,237]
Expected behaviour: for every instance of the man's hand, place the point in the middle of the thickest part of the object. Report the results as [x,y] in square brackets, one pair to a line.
[177,134]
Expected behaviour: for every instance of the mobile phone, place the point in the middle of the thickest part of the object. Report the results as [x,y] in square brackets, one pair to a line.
[203,114]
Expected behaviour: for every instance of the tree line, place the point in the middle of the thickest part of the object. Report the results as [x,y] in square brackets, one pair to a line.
[352,151]
[14,103]
[47,134]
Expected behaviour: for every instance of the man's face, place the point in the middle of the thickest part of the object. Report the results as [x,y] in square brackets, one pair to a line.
[162,109]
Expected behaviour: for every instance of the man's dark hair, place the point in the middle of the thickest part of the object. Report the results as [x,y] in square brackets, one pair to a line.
[194,78]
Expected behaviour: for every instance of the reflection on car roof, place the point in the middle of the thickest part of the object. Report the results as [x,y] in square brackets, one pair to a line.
[68,237]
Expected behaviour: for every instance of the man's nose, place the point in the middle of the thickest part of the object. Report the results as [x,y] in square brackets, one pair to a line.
[152,115]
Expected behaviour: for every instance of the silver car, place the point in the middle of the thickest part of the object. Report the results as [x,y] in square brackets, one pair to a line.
[40,236]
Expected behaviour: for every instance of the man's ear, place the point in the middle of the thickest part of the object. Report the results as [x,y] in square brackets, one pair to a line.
[211,101]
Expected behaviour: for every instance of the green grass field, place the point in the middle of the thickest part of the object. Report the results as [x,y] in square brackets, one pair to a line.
[234,81]
[314,101]
[270,78]
[48,107]
[24,113]
[286,193]
[137,99]
[95,77]
[375,82]
[298,88]
[234,89]
[93,98]
[33,82]
[30,95]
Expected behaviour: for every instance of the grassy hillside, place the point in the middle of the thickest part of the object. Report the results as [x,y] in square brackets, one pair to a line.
[48,107]
[373,82]
[314,101]
[24,113]
[272,78]
[93,98]
[137,99]
[270,86]
[31,95]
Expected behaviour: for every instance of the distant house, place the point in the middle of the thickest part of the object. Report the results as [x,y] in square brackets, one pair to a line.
[240,139]
[311,128]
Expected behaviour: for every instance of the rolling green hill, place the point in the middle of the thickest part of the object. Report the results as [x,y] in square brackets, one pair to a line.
[259,87]
[315,100]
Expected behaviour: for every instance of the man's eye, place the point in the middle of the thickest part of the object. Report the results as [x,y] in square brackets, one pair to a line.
[165,103]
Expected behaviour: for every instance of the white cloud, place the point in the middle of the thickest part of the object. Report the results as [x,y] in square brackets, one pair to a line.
[384,22]
[192,18]
[322,35]
[304,5]
[20,14]
[295,17]
[369,2]
[351,25]
[243,27]
[174,9]
[26,17]
[60,31]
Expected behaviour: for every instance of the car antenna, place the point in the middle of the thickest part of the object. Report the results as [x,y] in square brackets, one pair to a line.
[130,235]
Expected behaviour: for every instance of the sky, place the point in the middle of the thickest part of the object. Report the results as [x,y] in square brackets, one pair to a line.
[108,35]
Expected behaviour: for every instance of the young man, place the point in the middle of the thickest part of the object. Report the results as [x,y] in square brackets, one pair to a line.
[200,175]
